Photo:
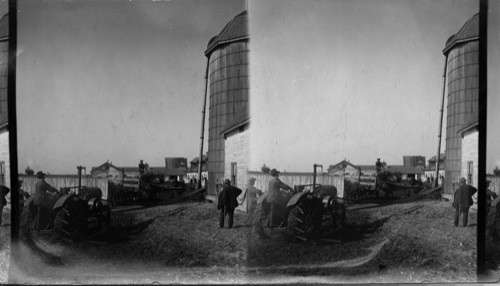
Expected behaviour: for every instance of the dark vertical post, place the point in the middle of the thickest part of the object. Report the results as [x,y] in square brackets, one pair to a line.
[483,81]
[314,177]
[79,178]
[440,132]
[12,125]
[202,136]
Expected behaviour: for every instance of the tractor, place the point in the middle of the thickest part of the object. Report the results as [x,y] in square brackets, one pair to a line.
[306,212]
[67,214]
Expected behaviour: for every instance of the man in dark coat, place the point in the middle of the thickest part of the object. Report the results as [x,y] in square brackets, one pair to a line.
[462,201]
[228,202]
[40,197]
[275,194]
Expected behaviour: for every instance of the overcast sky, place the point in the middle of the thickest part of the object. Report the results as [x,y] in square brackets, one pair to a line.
[117,80]
[348,79]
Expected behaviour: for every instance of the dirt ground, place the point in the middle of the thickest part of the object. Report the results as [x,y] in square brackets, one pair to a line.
[410,242]
[4,246]
[182,243]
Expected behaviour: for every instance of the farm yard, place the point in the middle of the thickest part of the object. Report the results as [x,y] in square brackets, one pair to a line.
[182,243]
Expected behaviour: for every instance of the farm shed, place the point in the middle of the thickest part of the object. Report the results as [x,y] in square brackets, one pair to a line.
[469,135]
[237,146]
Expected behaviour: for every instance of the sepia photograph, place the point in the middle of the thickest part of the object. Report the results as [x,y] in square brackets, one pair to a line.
[247,142]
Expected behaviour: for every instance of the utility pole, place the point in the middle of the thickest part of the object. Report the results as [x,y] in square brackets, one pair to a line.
[438,156]
[202,136]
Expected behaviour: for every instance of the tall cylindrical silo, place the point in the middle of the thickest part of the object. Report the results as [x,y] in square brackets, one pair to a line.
[462,51]
[228,55]
[4,119]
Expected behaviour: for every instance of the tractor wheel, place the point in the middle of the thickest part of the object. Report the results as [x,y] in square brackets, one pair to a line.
[304,221]
[69,223]
[259,222]
[493,224]
[28,223]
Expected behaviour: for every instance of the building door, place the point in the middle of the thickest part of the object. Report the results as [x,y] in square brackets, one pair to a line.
[234,173]
[470,171]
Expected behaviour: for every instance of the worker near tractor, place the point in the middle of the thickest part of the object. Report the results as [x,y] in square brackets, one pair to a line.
[40,198]
[378,165]
[277,190]
[251,194]
[22,194]
[227,203]
[142,167]
[3,201]
[490,196]
[462,201]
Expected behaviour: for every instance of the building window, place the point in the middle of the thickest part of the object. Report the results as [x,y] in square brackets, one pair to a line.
[234,172]
[470,171]
[2,173]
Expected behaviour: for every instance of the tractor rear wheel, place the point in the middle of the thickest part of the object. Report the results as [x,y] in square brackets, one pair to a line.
[304,220]
[69,223]
[493,223]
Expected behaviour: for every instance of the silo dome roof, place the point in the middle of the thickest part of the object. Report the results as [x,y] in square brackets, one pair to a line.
[235,30]
[468,32]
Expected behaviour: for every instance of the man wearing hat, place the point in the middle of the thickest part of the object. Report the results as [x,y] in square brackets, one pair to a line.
[251,193]
[3,201]
[228,202]
[378,165]
[275,192]
[23,195]
[462,201]
[40,196]
[490,195]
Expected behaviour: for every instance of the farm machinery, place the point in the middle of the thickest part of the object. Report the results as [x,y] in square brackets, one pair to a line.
[148,187]
[303,214]
[67,214]
[389,183]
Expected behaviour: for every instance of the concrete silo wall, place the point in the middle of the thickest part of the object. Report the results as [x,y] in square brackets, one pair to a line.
[229,85]
[462,106]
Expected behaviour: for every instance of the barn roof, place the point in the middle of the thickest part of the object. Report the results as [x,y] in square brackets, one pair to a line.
[240,119]
[470,125]
[4,26]
[235,30]
[442,156]
[468,32]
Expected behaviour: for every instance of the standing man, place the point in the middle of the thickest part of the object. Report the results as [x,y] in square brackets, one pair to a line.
[277,189]
[490,196]
[40,197]
[251,193]
[23,195]
[3,201]
[228,202]
[378,165]
[142,167]
[462,201]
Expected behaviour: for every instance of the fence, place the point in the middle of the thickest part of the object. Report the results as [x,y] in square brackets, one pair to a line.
[292,179]
[58,181]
